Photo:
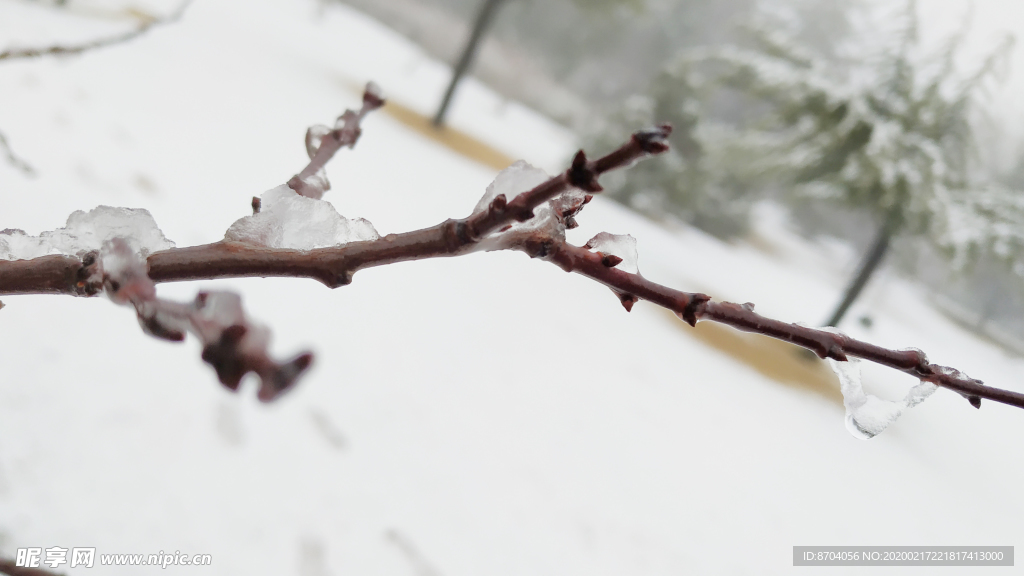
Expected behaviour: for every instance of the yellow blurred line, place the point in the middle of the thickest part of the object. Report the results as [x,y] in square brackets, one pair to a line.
[775,359]
[455,140]
[780,361]
[138,15]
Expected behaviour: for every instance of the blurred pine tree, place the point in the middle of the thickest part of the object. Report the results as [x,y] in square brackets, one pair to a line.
[891,135]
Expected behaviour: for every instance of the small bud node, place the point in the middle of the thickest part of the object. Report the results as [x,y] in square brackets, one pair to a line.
[627,301]
[610,260]
[653,140]
[499,203]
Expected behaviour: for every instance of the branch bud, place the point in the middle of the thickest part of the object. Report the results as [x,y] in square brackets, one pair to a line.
[582,175]
[373,97]
[499,203]
[611,260]
[627,300]
[653,140]
[689,313]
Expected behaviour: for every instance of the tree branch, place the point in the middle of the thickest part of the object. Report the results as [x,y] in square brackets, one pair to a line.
[692,307]
[322,143]
[58,50]
[12,158]
[335,266]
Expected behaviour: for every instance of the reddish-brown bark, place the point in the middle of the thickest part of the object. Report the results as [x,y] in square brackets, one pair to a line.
[336,266]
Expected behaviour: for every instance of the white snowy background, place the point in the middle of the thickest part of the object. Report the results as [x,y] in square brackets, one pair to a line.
[480,415]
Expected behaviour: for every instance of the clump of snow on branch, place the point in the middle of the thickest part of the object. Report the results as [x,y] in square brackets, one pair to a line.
[551,217]
[232,343]
[288,220]
[87,232]
[294,215]
[868,415]
[620,246]
[512,181]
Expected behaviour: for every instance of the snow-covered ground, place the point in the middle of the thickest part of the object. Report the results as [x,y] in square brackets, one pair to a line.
[478,415]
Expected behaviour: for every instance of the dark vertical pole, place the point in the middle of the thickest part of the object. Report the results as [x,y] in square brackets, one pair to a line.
[867,268]
[482,20]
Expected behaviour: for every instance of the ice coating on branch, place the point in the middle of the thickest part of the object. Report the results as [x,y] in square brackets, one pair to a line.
[373,95]
[618,251]
[868,415]
[551,217]
[232,343]
[314,136]
[512,181]
[125,278]
[288,220]
[86,232]
[618,245]
[312,186]
[323,142]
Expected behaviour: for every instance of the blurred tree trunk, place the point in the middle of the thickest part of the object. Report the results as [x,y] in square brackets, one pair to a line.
[483,19]
[868,266]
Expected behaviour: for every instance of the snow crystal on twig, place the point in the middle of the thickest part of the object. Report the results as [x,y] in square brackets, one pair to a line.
[868,415]
[86,232]
[621,246]
[512,181]
[314,137]
[551,217]
[288,220]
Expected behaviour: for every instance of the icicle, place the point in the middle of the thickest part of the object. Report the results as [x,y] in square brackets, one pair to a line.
[619,246]
[866,414]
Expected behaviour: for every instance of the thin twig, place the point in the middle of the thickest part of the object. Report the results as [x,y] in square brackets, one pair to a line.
[693,307]
[14,53]
[13,158]
[345,135]
[335,267]
[58,50]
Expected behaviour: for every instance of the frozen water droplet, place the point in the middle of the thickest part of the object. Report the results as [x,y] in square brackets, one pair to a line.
[866,414]
[314,137]
[512,181]
[221,307]
[124,272]
[621,245]
[373,91]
